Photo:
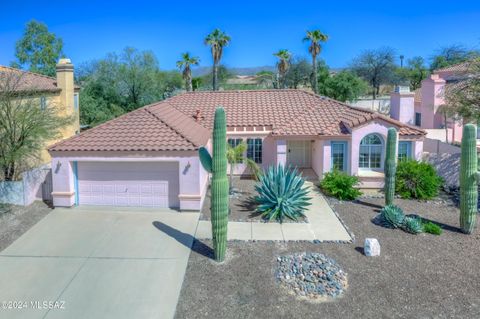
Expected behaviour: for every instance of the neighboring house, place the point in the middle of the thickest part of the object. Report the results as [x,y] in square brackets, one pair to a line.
[149,157]
[423,108]
[59,91]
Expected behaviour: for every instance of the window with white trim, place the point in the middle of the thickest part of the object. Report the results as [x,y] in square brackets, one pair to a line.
[75,101]
[339,155]
[43,103]
[234,142]
[254,149]
[371,152]
[404,150]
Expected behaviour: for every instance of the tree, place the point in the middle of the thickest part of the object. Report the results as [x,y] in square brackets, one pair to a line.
[283,65]
[414,72]
[122,82]
[298,73]
[38,50]
[137,70]
[463,97]
[184,65]
[376,67]
[217,40]
[315,37]
[25,127]
[345,86]
[235,156]
[451,55]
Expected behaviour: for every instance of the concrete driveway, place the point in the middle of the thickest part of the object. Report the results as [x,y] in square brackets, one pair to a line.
[97,263]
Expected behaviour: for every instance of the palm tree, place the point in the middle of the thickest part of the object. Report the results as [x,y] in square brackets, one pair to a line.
[315,37]
[235,156]
[283,65]
[185,64]
[217,40]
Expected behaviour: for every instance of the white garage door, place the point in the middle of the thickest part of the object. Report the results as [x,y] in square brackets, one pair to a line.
[147,184]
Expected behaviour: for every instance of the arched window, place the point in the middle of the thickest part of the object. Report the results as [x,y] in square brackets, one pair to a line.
[371,148]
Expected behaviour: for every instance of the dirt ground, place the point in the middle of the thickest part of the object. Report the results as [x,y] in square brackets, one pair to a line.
[18,219]
[242,203]
[416,276]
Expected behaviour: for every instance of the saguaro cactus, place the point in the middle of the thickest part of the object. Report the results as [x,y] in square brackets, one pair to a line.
[217,165]
[390,166]
[469,179]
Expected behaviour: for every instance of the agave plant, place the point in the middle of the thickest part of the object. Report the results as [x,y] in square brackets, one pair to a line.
[412,225]
[392,216]
[281,194]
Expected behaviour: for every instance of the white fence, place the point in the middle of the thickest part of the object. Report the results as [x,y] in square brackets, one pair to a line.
[36,184]
[438,147]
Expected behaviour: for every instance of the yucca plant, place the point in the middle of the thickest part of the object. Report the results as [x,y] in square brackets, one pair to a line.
[281,194]
[392,216]
[413,225]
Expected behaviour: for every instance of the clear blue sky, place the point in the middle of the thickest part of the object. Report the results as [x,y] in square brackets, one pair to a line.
[258,28]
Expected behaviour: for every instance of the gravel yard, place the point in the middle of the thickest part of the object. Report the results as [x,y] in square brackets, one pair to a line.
[241,203]
[422,276]
[16,220]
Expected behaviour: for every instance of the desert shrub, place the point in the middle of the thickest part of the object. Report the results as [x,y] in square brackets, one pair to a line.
[340,185]
[432,228]
[417,180]
[392,216]
[281,194]
[412,225]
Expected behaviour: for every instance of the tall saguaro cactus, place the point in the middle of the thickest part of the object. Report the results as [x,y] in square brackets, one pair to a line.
[217,165]
[390,166]
[469,179]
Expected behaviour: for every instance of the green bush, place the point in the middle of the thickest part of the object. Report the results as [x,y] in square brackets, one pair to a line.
[417,180]
[340,185]
[413,225]
[432,228]
[392,216]
[281,194]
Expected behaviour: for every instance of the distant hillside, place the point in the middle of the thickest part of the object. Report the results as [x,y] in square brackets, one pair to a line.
[238,71]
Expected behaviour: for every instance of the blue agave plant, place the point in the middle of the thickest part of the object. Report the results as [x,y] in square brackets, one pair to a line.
[281,194]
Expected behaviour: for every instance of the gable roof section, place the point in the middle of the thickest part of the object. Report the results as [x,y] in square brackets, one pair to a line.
[460,67]
[29,81]
[157,127]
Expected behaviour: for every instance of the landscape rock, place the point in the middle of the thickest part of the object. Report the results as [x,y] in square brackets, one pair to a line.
[311,275]
[371,247]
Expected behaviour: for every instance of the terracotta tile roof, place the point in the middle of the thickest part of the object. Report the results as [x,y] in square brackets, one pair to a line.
[157,127]
[288,112]
[184,122]
[28,81]
[460,68]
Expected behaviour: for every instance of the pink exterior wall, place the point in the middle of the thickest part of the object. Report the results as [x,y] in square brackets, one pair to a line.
[402,107]
[378,127]
[192,177]
[317,157]
[432,92]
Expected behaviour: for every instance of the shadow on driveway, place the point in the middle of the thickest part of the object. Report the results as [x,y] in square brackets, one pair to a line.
[185,239]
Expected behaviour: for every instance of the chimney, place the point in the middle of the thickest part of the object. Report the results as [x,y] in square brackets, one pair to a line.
[197,115]
[402,104]
[65,82]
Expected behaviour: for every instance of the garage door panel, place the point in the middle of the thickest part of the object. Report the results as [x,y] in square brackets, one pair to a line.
[128,184]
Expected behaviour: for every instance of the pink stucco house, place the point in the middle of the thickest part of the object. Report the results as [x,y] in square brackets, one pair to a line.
[148,157]
[423,108]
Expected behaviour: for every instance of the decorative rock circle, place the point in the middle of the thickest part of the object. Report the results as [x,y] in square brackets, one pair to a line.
[311,275]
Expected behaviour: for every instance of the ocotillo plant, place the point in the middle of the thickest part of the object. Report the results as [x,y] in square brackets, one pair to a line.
[469,179]
[390,166]
[217,165]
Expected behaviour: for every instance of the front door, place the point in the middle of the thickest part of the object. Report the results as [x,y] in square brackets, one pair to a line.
[299,154]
